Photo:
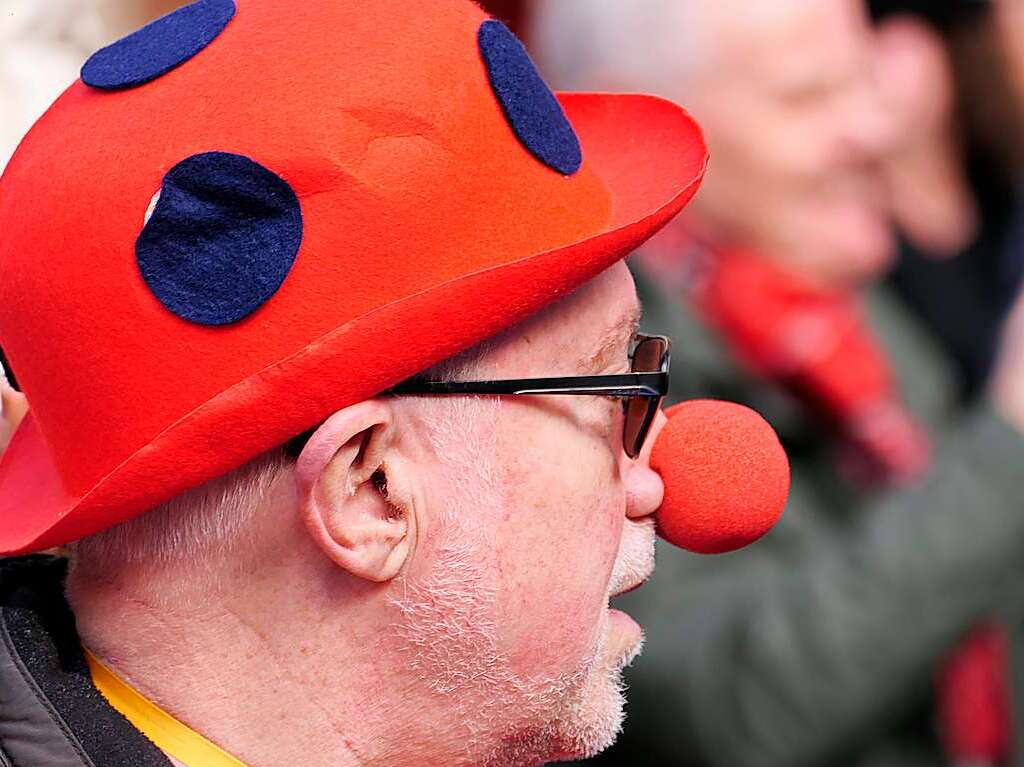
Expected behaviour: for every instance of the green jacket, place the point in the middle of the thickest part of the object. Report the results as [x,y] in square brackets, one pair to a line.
[818,645]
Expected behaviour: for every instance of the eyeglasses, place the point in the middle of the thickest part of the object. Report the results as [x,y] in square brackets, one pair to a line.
[642,389]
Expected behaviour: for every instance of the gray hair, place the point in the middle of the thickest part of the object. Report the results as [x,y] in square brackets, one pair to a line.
[188,527]
[619,45]
[210,519]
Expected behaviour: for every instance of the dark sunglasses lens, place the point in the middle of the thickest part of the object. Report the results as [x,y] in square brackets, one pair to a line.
[640,412]
[648,357]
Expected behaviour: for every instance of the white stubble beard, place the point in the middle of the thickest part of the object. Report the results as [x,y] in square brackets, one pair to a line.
[448,627]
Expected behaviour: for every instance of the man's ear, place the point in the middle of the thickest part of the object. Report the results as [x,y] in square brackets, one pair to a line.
[342,482]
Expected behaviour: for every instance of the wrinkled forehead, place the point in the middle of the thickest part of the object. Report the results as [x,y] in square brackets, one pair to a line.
[577,334]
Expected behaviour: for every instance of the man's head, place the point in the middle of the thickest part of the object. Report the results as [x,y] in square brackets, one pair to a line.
[427,582]
[785,94]
[451,557]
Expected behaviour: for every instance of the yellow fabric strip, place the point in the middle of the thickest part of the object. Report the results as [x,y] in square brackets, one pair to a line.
[167,733]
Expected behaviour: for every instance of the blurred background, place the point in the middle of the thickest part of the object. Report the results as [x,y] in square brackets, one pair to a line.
[852,269]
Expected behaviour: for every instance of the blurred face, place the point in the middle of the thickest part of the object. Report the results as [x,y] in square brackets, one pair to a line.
[541,518]
[796,131]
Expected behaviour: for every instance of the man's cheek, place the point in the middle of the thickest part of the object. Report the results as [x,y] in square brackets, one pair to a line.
[555,567]
[551,623]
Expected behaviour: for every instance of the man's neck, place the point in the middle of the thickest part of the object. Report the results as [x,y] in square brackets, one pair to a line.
[200,666]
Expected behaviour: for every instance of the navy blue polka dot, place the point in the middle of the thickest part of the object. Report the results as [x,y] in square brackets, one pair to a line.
[222,238]
[531,108]
[158,47]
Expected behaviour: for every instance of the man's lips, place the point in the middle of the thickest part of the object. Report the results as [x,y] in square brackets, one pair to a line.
[635,561]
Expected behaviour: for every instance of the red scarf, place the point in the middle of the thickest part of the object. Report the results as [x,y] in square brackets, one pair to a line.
[817,346]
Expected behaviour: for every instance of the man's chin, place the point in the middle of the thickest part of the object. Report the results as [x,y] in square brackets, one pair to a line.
[597,719]
[596,724]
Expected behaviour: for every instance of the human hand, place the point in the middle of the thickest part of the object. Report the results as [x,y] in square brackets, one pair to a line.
[13,407]
[1007,384]
[1008,18]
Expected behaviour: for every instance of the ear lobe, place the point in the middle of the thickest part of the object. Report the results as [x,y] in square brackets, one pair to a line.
[342,479]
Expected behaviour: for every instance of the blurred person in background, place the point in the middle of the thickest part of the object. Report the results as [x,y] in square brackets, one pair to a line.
[880,623]
[962,289]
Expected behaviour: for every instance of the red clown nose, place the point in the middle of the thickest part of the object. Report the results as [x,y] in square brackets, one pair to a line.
[726,476]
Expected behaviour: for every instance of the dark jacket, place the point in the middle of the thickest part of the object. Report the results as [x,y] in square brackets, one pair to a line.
[51,715]
[818,645]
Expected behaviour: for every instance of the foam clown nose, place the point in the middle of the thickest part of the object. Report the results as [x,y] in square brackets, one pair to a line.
[726,476]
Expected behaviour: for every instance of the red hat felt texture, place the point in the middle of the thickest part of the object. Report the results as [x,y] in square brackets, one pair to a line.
[251,214]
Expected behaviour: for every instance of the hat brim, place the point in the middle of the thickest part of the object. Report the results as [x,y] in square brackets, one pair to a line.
[649,153]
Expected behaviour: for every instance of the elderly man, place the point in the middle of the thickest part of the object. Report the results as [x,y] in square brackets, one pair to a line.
[255,220]
[840,639]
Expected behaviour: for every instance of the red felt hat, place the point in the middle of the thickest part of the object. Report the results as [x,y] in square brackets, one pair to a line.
[349,193]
